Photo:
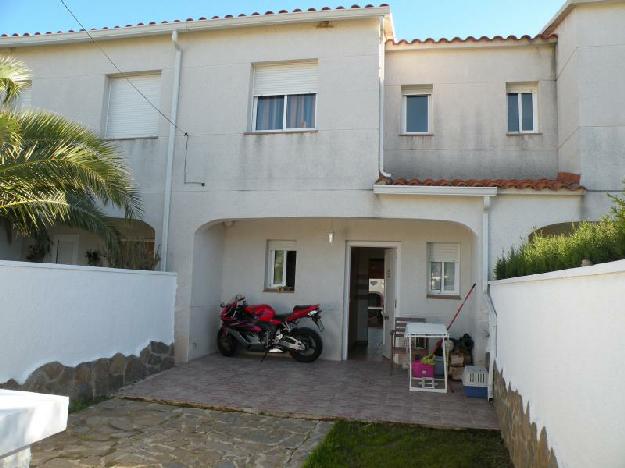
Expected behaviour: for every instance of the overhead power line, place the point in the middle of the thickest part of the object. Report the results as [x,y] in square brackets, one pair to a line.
[119,70]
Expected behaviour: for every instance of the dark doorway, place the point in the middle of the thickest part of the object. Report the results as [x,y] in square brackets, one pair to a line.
[366,303]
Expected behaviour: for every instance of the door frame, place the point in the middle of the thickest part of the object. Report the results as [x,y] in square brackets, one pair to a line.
[75,238]
[347,283]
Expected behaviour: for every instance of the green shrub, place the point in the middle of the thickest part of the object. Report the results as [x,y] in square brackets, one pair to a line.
[599,242]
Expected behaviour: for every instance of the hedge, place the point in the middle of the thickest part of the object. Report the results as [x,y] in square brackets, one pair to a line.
[599,242]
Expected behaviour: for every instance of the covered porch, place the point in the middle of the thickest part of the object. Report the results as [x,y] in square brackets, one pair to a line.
[353,390]
[363,272]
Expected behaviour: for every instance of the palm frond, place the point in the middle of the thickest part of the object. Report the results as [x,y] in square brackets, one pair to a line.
[53,170]
[13,77]
[51,145]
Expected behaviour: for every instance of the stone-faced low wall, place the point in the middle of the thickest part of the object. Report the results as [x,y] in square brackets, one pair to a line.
[89,380]
[527,450]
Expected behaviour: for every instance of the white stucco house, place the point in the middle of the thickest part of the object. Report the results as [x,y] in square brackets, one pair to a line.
[301,145]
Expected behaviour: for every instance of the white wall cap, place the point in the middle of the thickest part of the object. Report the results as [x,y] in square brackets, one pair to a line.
[26,418]
[598,269]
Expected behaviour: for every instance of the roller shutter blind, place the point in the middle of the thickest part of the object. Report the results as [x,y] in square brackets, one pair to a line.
[273,79]
[444,252]
[129,115]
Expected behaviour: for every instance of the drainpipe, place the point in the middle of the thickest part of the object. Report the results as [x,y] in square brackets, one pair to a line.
[485,243]
[492,315]
[171,142]
[381,52]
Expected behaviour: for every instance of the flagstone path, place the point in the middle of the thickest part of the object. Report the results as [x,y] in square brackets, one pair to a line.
[128,433]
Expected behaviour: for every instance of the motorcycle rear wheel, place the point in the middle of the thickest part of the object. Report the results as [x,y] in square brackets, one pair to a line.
[313,342]
[226,344]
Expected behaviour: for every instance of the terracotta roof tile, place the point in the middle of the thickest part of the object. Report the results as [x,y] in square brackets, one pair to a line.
[564,181]
[445,40]
[151,23]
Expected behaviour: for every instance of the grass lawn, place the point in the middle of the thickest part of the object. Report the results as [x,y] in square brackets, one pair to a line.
[352,444]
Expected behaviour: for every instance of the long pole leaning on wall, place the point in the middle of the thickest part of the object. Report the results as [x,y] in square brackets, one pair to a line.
[171,145]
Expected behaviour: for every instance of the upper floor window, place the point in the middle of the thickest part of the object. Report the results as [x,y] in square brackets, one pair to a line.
[417,109]
[281,262]
[129,114]
[285,96]
[522,108]
[443,268]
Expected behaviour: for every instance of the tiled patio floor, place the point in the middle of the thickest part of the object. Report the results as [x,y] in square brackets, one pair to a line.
[357,390]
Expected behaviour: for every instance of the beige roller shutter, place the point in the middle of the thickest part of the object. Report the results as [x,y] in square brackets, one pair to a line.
[444,252]
[273,79]
[129,114]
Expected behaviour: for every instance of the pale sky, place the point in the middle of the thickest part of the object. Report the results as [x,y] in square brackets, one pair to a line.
[412,18]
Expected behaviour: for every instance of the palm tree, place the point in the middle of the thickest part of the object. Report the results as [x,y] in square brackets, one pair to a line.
[54,171]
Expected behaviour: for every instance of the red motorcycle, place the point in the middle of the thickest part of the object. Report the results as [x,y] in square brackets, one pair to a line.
[259,328]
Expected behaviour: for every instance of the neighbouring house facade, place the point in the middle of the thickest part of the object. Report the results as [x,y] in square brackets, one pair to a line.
[298,145]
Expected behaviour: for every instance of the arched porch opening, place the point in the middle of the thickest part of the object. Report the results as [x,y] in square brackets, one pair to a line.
[238,256]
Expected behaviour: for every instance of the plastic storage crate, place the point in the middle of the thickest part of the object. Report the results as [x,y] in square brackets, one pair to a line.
[475,382]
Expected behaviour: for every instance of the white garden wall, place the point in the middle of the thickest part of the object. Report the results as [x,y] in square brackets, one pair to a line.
[73,314]
[560,346]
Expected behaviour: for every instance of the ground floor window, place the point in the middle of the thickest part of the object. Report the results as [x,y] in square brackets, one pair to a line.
[281,264]
[443,268]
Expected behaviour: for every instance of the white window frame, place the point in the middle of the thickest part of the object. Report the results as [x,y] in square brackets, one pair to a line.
[272,248]
[520,89]
[284,107]
[416,91]
[442,291]
[107,116]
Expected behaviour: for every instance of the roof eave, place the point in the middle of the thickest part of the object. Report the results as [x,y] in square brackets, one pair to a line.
[435,190]
[470,43]
[197,25]
[455,191]
[548,192]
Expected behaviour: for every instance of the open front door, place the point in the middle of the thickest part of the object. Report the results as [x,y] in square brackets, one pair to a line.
[390,296]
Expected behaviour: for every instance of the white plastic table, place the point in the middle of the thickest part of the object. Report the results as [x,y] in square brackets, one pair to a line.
[436,331]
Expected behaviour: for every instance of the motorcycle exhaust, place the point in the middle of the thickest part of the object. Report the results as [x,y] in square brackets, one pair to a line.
[292,344]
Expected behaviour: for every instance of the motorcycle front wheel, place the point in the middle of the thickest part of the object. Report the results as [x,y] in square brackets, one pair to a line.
[226,343]
[313,343]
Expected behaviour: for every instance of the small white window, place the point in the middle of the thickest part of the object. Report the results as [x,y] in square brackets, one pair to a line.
[522,108]
[417,109]
[285,96]
[443,268]
[281,263]
[129,114]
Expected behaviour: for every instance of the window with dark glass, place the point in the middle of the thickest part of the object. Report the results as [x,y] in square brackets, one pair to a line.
[443,273]
[281,264]
[521,111]
[417,113]
[285,95]
[295,111]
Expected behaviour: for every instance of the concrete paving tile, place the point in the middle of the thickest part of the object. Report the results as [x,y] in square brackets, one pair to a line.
[348,389]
